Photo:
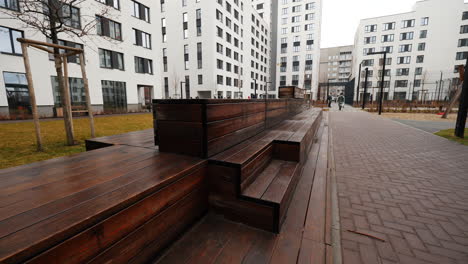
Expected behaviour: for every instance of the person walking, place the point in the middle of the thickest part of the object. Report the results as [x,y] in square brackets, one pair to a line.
[341,101]
[329,99]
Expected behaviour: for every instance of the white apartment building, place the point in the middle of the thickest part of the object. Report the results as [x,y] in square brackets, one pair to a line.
[299,29]
[335,69]
[424,47]
[140,50]
[336,64]
[213,49]
[120,52]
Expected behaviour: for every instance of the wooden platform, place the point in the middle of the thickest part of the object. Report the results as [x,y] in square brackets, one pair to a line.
[95,206]
[125,201]
[143,138]
[303,238]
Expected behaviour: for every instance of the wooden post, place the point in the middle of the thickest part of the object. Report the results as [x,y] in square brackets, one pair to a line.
[88,97]
[67,106]
[32,94]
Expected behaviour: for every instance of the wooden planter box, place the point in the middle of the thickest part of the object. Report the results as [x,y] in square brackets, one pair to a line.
[291,92]
[206,127]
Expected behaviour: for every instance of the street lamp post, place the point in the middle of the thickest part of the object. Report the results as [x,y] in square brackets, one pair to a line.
[383,77]
[365,90]
[359,82]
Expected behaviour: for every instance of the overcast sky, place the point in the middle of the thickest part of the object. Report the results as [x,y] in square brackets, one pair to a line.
[340,18]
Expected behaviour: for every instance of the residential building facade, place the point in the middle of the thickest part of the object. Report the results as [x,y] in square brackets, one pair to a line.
[335,69]
[140,50]
[298,44]
[120,52]
[424,47]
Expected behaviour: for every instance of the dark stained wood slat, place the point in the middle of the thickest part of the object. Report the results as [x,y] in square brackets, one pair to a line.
[143,138]
[216,112]
[259,186]
[262,249]
[20,201]
[278,187]
[52,174]
[92,205]
[210,228]
[90,242]
[145,242]
[238,245]
[316,213]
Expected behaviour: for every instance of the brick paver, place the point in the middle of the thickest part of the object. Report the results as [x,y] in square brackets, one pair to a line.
[400,184]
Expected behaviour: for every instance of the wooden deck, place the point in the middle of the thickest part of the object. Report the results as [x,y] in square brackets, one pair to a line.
[125,201]
[304,237]
[82,202]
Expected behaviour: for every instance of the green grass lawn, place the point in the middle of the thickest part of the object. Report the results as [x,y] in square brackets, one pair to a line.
[449,134]
[18,141]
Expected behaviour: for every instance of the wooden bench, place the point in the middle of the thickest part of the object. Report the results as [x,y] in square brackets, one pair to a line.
[253,181]
[142,138]
[115,204]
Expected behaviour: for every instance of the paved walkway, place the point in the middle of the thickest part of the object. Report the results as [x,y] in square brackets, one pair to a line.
[400,184]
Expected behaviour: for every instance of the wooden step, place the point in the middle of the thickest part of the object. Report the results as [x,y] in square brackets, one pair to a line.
[275,186]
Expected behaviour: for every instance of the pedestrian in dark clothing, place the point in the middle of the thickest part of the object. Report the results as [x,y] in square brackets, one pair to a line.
[329,99]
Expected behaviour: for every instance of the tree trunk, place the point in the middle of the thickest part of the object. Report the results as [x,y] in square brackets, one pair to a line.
[65,96]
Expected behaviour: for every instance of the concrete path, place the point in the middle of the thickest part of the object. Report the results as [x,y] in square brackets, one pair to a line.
[402,185]
[428,126]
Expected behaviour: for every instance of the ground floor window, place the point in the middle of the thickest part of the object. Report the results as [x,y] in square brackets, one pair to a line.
[114,96]
[399,96]
[17,92]
[77,91]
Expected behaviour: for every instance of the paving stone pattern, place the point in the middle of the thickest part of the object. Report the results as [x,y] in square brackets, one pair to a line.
[403,185]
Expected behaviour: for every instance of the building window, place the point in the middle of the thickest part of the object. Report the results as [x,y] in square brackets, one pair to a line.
[108,28]
[462,42]
[369,40]
[401,83]
[77,91]
[388,49]
[143,65]
[186,57]
[140,11]
[8,42]
[200,79]
[423,34]
[142,39]
[165,60]
[464,29]
[421,46]
[424,21]
[368,62]
[185,25]
[219,79]
[370,28]
[408,23]
[199,55]
[198,22]
[402,72]
[406,36]
[404,60]
[113,3]
[10,4]
[114,96]
[71,59]
[17,92]
[388,38]
[420,59]
[111,59]
[389,26]
[163,30]
[71,16]
[405,48]
[465,15]
[418,71]
[462,55]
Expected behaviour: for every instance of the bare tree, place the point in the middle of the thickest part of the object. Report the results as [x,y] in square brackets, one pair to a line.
[51,18]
